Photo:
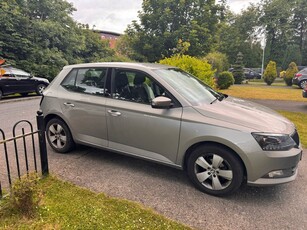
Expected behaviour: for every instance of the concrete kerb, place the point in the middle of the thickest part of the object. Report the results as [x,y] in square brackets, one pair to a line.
[7,100]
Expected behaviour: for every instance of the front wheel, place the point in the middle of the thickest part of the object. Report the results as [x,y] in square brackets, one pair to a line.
[40,88]
[215,170]
[303,84]
[59,136]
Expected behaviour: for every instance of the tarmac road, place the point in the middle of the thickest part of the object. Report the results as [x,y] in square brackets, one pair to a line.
[168,191]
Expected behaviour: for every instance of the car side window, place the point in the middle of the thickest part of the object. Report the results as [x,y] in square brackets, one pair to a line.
[87,80]
[135,86]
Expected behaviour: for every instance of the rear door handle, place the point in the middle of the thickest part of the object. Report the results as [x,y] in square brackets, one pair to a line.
[114,113]
[69,104]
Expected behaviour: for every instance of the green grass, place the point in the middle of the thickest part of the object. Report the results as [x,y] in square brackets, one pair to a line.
[299,119]
[265,92]
[66,206]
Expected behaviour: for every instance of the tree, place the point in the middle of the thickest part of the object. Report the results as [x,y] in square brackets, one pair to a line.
[164,22]
[270,73]
[238,73]
[299,25]
[41,37]
[276,20]
[291,71]
[292,54]
[239,34]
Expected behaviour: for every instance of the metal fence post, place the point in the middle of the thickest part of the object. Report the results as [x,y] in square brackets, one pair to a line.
[42,143]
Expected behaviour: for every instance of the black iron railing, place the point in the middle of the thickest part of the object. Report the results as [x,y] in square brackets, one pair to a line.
[21,149]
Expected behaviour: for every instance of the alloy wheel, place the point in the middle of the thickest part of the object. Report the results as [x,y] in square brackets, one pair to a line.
[40,89]
[213,172]
[57,136]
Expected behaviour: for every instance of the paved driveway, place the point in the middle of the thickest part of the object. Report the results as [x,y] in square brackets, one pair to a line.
[169,191]
[291,106]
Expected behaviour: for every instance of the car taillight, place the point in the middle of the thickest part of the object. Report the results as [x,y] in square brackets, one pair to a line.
[298,75]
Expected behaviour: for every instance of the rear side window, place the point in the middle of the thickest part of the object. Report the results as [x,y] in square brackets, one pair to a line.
[87,80]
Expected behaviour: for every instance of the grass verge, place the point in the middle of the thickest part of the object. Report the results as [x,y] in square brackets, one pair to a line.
[299,120]
[66,206]
[265,92]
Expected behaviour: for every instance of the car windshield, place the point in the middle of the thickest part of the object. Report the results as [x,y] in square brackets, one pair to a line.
[192,89]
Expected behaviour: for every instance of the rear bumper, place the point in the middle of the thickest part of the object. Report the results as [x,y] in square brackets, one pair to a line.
[295,81]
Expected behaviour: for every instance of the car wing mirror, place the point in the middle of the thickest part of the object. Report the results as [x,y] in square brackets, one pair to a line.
[161,102]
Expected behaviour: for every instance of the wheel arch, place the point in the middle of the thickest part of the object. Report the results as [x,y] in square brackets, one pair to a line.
[207,143]
[48,117]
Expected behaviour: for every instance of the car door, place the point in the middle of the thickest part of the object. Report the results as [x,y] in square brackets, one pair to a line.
[8,83]
[135,127]
[24,84]
[83,104]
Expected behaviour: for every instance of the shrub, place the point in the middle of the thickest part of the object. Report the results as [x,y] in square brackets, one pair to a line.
[291,71]
[282,74]
[225,80]
[238,72]
[270,73]
[201,69]
[25,195]
[218,61]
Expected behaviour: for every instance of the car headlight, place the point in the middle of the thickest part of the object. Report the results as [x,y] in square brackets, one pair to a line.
[274,142]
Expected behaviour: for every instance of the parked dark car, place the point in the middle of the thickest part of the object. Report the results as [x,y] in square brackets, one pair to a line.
[249,73]
[300,78]
[13,80]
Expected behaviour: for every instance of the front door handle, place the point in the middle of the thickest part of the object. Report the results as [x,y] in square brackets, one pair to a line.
[114,113]
[69,104]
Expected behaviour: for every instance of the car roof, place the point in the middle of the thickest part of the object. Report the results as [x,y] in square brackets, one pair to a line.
[122,65]
[15,71]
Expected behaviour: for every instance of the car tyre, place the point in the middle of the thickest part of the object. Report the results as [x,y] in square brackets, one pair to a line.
[40,88]
[1,94]
[215,170]
[59,136]
[303,84]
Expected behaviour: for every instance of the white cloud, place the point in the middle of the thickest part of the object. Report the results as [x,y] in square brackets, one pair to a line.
[115,15]
[238,5]
[109,15]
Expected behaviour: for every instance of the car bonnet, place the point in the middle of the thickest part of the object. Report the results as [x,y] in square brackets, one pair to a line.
[248,114]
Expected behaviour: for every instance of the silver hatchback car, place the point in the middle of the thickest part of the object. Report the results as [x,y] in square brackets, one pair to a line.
[163,114]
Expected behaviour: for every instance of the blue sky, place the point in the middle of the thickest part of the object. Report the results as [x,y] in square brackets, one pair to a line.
[115,15]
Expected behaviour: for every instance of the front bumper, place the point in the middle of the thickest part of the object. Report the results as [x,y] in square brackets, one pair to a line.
[280,175]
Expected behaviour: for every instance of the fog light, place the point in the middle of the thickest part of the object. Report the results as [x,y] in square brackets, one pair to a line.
[281,173]
[274,174]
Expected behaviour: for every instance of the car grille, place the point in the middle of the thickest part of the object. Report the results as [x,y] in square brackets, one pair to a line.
[296,138]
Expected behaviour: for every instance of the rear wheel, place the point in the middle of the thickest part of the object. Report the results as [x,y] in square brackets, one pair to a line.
[303,84]
[215,170]
[59,136]
[1,94]
[40,88]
